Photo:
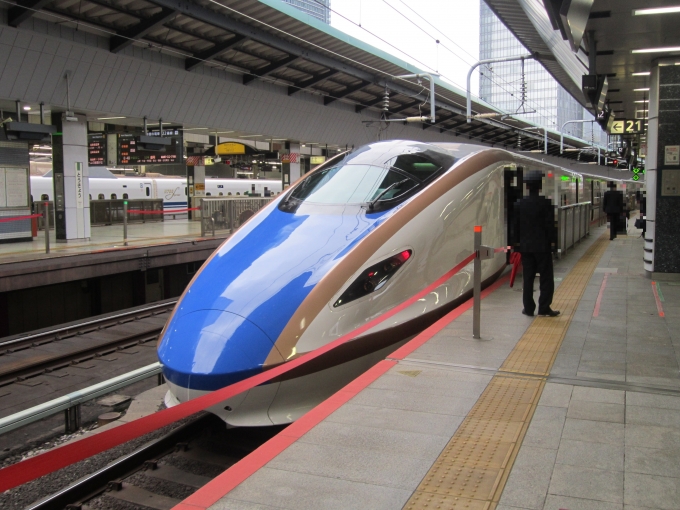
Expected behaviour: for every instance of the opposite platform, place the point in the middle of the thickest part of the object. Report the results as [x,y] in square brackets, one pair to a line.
[525,418]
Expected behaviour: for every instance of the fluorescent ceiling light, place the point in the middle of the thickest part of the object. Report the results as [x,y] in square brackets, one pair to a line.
[249,136]
[643,101]
[665,49]
[656,10]
[223,132]
[193,129]
[27,108]
[644,73]
[640,90]
[110,118]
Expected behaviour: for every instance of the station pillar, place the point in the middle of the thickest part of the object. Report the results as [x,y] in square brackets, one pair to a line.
[195,188]
[662,174]
[70,178]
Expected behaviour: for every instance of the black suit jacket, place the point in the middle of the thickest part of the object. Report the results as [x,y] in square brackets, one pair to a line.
[534,225]
[612,203]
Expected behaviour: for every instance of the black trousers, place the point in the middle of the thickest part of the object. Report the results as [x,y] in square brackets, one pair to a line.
[613,224]
[533,263]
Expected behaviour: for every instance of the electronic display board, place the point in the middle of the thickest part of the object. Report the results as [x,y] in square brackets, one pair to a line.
[132,152]
[96,149]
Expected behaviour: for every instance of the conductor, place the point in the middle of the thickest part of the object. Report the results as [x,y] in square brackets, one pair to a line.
[535,238]
[612,204]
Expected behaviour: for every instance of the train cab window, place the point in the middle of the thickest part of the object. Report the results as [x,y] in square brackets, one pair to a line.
[113,196]
[44,197]
[101,196]
[125,196]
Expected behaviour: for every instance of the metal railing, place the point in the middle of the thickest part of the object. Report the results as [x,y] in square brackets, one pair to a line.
[573,224]
[39,208]
[70,403]
[108,212]
[223,213]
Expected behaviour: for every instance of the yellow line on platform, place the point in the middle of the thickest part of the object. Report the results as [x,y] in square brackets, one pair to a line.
[473,468]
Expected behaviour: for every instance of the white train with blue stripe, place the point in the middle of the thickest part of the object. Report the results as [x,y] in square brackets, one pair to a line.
[103,185]
[349,241]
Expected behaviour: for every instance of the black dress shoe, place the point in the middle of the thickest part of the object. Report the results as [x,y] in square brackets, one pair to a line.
[527,314]
[549,313]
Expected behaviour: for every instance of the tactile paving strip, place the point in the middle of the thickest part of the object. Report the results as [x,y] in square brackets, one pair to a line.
[471,471]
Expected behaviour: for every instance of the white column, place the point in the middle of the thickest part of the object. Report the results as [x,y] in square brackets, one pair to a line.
[76,178]
[294,166]
[651,166]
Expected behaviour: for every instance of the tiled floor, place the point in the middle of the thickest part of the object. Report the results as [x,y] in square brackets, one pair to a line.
[608,445]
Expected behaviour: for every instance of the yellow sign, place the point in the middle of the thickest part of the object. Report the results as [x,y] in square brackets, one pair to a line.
[620,127]
[317,160]
[199,186]
[229,149]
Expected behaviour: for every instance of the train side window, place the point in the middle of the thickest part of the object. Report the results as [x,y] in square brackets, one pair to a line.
[113,196]
[44,197]
[101,196]
[148,192]
[220,194]
[125,195]
[238,193]
[208,194]
[229,193]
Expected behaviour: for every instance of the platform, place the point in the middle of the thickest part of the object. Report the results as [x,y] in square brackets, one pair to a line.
[576,412]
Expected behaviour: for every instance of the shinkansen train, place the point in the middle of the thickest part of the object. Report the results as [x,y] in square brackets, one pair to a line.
[346,243]
[173,191]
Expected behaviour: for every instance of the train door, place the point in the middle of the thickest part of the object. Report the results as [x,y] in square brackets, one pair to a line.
[147,190]
[512,189]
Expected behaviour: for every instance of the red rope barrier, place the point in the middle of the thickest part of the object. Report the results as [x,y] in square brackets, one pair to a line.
[58,458]
[172,211]
[18,218]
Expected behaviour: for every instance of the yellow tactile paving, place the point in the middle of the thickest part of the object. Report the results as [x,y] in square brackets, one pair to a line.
[472,469]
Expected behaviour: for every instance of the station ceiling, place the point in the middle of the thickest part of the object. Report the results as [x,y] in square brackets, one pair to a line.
[263,41]
[617,31]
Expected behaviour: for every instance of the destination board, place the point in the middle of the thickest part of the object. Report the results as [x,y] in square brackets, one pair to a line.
[96,149]
[131,152]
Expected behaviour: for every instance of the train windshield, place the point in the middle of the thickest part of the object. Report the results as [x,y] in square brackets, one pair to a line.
[377,186]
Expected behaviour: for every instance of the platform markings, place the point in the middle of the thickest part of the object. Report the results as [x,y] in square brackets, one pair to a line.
[473,468]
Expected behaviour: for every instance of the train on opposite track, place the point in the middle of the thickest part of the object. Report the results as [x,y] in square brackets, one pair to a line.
[349,241]
[103,185]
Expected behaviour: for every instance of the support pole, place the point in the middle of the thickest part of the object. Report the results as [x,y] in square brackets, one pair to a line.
[125,215]
[72,419]
[46,217]
[477,285]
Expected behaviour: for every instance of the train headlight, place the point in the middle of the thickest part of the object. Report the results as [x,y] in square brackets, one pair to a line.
[373,278]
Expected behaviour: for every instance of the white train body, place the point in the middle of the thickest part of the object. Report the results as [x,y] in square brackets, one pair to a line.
[173,191]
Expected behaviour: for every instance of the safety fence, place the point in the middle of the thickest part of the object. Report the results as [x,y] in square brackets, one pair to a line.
[573,224]
[222,213]
[109,212]
[58,458]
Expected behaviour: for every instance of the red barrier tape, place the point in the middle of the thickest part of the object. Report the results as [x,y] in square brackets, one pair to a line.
[171,211]
[58,458]
[218,487]
[17,218]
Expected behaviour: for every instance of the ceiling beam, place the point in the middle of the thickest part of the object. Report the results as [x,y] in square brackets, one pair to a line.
[198,58]
[24,10]
[405,106]
[124,39]
[438,121]
[348,90]
[268,69]
[317,78]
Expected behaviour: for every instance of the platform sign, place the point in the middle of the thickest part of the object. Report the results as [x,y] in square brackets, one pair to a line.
[96,149]
[626,127]
[130,152]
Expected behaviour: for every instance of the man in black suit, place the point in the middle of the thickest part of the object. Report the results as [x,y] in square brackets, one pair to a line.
[612,204]
[536,238]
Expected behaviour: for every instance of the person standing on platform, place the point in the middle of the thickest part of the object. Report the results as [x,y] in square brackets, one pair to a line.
[536,239]
[612,204]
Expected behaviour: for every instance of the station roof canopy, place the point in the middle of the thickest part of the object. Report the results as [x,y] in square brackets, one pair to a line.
[618,29]
[270,40]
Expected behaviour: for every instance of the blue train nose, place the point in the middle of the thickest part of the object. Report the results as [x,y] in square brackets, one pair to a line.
[209,349]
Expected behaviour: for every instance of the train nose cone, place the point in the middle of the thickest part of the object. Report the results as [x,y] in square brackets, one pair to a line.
[209,349]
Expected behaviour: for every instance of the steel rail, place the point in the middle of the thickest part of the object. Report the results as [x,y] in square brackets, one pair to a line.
[94,322]
[47,409]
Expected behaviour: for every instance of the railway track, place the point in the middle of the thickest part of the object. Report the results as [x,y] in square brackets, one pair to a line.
[162,472]
[26,356]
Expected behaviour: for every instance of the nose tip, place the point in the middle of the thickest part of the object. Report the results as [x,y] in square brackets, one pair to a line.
[209,349]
